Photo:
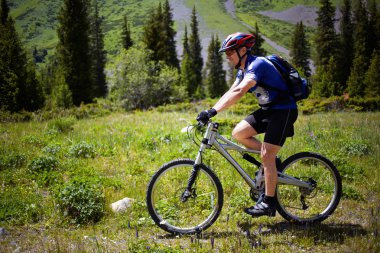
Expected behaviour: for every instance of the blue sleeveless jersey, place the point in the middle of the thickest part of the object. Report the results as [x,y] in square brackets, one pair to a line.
[262,71]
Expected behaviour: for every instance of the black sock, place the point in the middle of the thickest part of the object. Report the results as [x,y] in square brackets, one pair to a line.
[270,200]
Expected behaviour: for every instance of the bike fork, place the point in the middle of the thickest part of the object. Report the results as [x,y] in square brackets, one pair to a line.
[189,191]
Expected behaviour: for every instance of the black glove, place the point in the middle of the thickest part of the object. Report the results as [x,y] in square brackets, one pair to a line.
[204,116]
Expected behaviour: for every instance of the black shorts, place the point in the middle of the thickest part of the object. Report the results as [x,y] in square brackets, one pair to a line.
[275,123]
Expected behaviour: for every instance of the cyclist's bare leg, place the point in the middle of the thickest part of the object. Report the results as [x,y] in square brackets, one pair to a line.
[268,156]
[244,133]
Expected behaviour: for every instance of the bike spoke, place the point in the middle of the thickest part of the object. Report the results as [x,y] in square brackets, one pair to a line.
[309,204]
[184,215]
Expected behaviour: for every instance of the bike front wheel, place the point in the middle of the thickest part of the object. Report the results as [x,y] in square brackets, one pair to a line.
[175,214]
[305,205]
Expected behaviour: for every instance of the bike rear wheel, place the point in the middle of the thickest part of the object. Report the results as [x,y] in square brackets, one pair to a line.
[175,215]
[303,205]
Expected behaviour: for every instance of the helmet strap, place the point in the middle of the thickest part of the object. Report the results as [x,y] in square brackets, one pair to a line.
[237,66]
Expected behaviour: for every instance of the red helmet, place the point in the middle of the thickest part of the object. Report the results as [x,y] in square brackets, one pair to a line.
[238,40]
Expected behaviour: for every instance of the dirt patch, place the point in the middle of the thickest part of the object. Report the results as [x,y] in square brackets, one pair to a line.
[182,16]
[295,14]
[306,14]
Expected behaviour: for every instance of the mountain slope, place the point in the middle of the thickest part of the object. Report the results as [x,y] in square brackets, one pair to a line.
[37,20]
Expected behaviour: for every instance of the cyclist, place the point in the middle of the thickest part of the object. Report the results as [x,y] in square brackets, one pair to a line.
[275,117]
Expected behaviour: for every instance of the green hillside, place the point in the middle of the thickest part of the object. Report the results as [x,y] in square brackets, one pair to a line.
[36,20]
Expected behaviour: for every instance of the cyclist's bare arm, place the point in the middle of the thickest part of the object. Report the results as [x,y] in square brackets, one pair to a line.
[234,94]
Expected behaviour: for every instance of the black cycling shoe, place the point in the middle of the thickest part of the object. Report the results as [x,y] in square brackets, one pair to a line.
[261,197]
[260,209]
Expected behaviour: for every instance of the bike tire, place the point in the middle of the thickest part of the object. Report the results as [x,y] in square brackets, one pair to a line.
[163,198]
[318,204]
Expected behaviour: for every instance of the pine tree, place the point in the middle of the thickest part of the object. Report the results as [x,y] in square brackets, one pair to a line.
[170,57]
[33,97]
[187,72]
[300,51]
[8,79]
[327,45]
[4,12]
[216,75]
[362,34]
[159,36]
[186,47]
[372,77]
[195,56]
[98,53]
[257,49]
[153,34]
[73,49]
[126,39]
[346,38]
[374,26]
[325,39]
[326,84]
[355,82]
[360,65]
[19,89]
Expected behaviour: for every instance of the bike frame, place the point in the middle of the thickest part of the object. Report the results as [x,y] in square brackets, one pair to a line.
[213,139]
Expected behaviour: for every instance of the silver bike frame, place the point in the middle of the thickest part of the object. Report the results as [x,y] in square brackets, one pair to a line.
[213,139]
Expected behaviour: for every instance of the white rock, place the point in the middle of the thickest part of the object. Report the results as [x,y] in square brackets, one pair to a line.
[187,129]
[122,205]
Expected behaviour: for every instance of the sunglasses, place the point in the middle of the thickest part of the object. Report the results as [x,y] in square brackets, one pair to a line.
[230,52]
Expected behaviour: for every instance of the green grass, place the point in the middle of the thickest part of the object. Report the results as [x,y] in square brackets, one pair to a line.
[126,148]
[279,5]
[276,30]
[217,19]
[37,21]
[223,24]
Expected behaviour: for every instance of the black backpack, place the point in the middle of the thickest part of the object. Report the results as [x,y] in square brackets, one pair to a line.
[298,87]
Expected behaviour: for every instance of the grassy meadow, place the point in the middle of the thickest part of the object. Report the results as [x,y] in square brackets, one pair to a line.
[118,153]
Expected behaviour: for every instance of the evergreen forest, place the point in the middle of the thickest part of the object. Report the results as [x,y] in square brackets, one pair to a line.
[143,67]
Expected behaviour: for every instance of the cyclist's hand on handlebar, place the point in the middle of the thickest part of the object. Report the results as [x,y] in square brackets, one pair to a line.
[205,115]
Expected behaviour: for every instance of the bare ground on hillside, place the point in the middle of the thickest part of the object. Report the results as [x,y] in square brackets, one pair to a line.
[295,14]
[306,14]
[182,17]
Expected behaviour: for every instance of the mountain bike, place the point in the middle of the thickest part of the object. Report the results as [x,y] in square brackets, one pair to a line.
[185,196]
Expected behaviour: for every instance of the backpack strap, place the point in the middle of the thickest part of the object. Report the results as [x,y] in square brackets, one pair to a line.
[268,87]
[282,97]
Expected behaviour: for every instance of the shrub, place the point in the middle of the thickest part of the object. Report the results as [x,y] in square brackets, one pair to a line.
[44,170]
[347,169]
[313,105]
[83,150]
[21,116]
[52,149]
[364,104]
[43,164]
[33,140]
[62,125]
[350,192]
[11,161]
[20,206]
[138,83]
[82,202]
[353,148]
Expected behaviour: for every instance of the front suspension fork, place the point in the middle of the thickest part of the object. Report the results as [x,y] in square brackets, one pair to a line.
[206,143]
[189,191]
